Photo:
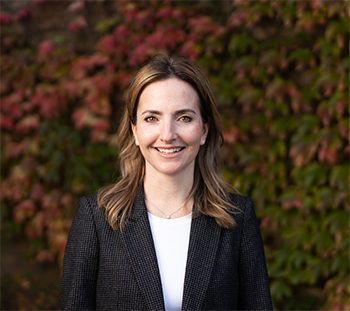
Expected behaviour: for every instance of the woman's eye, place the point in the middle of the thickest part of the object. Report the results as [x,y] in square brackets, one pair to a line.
[150,119]
[186,119]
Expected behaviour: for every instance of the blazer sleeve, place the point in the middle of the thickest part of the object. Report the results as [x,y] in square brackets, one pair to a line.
[254,289]
[80,263]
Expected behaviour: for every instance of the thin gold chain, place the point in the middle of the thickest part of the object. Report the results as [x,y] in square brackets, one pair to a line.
[167,216]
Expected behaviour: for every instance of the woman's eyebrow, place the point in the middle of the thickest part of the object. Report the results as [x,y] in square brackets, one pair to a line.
[151,112]
[177,112]
[185,111]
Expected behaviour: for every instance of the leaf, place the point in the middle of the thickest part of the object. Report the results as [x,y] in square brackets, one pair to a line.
[322,241]
[339,177]
[280,289]
[77,24]
[315,174]
[282,126]
[250,96]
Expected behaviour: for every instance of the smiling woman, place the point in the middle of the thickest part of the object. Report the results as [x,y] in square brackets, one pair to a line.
[168,235]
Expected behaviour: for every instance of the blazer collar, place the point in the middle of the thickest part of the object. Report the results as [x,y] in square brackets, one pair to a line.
[203,245]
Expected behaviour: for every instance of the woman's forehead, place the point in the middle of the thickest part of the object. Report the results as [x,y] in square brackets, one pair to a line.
[169,94]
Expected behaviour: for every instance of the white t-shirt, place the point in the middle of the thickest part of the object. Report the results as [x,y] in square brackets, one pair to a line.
[171,238]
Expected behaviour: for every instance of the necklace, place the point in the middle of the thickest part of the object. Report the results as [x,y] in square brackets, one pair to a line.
[166,215]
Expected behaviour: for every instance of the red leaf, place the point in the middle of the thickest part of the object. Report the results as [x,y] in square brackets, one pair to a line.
[102,82]
[37,191]
[5,19]
[67,200]
[98,136]
[165,13]
[45,256]
[23,210]
[44,49]
[13,150]
[236,19]
[78,24]
[12,103]
[6,122]
[107,44]
[28,123]
[101,125]
[323,114]
[81,117]
[76,7]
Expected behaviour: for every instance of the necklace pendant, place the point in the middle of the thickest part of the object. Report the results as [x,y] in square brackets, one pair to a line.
[167,216]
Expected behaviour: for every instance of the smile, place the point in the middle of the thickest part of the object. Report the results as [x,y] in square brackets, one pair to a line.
[170,150]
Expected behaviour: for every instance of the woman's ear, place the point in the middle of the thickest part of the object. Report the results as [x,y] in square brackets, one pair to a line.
[133,128]
[205,132]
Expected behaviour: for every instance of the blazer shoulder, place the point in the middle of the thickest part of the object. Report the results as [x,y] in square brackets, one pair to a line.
[241,202]
[89,205]
[243,207]
[90,200]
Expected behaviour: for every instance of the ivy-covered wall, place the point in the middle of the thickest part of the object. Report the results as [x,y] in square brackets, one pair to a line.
[280,71]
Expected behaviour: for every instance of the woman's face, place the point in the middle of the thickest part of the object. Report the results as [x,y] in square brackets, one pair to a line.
[169,128]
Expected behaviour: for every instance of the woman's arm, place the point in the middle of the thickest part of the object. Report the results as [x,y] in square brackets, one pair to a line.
[80,264]
[254,289]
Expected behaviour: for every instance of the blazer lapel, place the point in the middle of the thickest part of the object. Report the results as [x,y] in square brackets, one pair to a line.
[138,241]
[204,241]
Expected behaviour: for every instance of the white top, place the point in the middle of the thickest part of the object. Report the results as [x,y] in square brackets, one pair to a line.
[171,238]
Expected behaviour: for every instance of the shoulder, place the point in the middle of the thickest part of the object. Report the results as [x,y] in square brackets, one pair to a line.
[242,207]
[239,200]
[241,203]
[88,205]
[88,201]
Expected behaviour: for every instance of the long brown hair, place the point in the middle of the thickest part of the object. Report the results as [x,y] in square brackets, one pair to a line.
[214,200]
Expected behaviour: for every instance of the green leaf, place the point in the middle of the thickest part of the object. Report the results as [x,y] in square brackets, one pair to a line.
[301,55]
[280,127]
[315,174]
[322,241]
[340,264]
[280,289]
[339,177]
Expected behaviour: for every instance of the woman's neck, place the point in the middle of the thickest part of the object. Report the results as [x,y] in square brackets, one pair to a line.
[168,194]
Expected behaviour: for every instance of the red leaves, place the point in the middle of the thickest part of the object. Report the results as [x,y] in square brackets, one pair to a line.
[5,19]
[233,135]
[301,153]
[291,200]
[24,210]
[49,100]
[45,48]
[107,44]
[77,24]
[37,191]
[276,89]
[82,117]
[76,6]
[167,13]
[202,24]
[27,124]
[237,19]
[121,32]
[45,256]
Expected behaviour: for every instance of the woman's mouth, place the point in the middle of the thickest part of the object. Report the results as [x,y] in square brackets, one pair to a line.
[169,150]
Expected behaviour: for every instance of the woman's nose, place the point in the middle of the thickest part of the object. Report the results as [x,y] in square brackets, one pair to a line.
[168,132]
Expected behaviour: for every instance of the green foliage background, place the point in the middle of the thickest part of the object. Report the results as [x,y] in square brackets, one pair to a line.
[280,71]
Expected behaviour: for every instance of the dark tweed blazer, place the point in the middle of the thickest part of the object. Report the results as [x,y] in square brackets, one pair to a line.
[105,269]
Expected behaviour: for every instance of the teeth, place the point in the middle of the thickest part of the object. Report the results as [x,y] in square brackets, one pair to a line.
[168,151]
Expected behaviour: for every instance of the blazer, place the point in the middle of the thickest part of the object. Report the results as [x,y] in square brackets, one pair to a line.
[104,269]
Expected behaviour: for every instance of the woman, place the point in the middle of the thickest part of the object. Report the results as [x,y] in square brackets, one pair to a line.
[168,235]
